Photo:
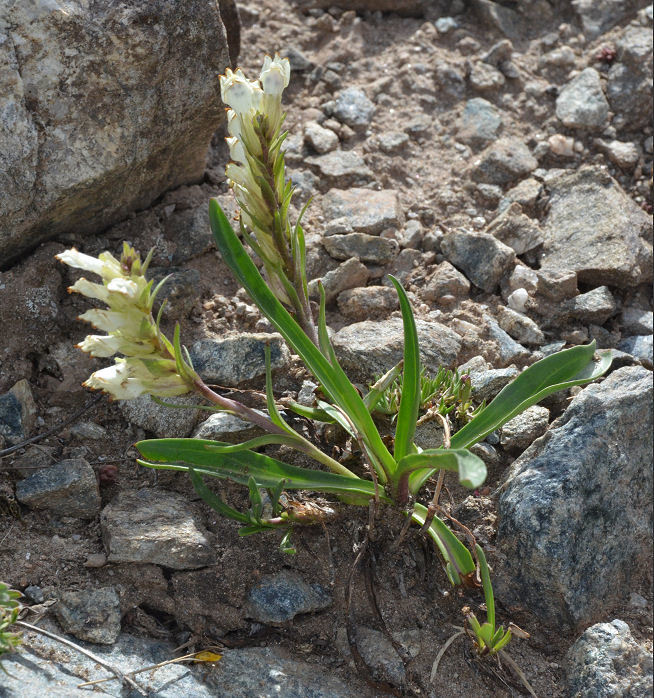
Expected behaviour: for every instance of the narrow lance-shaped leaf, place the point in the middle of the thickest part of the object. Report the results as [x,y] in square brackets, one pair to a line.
[470,468]
[556,372]
[410,402]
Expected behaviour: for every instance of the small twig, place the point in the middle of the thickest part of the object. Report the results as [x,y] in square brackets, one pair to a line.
[403,531]
[54,430]
[332,571]
[441,652]
[117,672]
[431,509]
[519,672]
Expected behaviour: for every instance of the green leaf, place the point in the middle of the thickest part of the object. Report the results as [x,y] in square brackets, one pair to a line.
[503,642]
[486,584]
[377,390]
[310,412]
[451,548]
[485,633]
[558,371]
[410,402]
[213,500]
[257,442]
[471,469]
[197,454]
[275,416]
[332,377]
[285,545]
[497,637]
[256,503]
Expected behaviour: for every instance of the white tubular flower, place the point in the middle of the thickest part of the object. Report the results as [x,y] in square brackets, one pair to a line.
[106,266]
[130,322]
[236,150]
[103,346]
[275,75]
[233,123]
[116,381]
[240,93]
[90,290]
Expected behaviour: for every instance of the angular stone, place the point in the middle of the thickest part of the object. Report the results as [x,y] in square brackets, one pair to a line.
[367,349]
[515,229]
[595,229]
[157,109]
[378,653]
[503,162]
[349,274]
[639,346]
[321,139]
[17,413]
[392,141]
[68,488]
[233,360]
[637,321]
[598,16]
[480,123]
[446,280]
[629,86]
[509,349]
[480,256]
[606,661]
[367,248]
[368,302]
[596,306]
[278,598]
[485,78]
[341,168]
[582,104]
[92,615]
[519,326]
[163,422]
[366,210]
[156,527]
[567,556]
[488,383]
[226,427]
[521,431]
[353,108]
[35,457]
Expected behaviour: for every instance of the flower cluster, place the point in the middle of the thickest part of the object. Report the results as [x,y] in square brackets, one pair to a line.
[256,175]
[149,365]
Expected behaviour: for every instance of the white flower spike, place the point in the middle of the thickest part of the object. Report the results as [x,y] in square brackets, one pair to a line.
[240,93]
[275,75]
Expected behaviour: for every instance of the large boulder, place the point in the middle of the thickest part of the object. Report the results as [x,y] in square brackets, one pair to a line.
[575,517]
[103,106]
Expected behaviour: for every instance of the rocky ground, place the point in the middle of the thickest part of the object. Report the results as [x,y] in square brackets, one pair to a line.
[497,158]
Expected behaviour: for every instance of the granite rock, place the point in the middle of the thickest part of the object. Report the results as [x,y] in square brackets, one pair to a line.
[366,210]
[582,104]
[92,615]
[503,162]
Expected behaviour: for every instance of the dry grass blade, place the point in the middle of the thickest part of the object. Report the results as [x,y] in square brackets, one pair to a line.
[441,652]
[519,672]
[116,672]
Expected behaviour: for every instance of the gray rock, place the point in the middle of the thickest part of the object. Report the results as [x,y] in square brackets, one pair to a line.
[480,123]
[509,350]
[163,422]
[639,346]
[485,78]
[88,430]
[557,285]
[156,527]
[349,274]
[412,235]
[305,183]
[367,248]
[322,140]
[266,673]
[596,230]
[35,457]
[637,320]
[306,395]
[367,211]
[480,256]
[353,108]
[233,360]
[596,306]
[280,597]
[503,162]
[68,488]
[190,232]
[369,302]
[34,593]
[159,103]
[444,25]
[298,61]
[446,280]
[521,431]
[568,557]
[92,615]
[624,155]
[582,104]
[17,413]
[515,229]
[180,291]
[341,168]
[499,17]
[46,667]
[488,383]
[629,86]
[526,193]
[370,348]
[519,326]
[222,426]
[606,661]
[392,141]
[597,16]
